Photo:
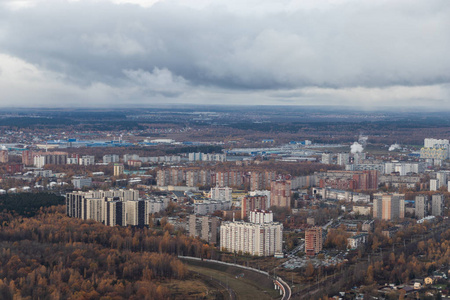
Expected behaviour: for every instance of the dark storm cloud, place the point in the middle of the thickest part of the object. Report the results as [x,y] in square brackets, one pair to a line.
[168,48]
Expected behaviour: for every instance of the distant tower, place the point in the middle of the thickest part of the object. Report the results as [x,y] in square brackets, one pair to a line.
[434,185]
[421,203]
[27,157]
[388,206]
[313,240]
[437,205]
[280,193]
[326,158]
[442,178]
[118,169]
[3,156]
[343,159]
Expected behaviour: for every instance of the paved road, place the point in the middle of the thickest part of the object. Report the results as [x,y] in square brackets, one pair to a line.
[287,290]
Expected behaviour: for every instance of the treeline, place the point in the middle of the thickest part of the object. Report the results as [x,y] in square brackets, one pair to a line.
[82,271]
[417,260]
[32,122]
[202,149]
[52,256]
[107,125]
[28,204]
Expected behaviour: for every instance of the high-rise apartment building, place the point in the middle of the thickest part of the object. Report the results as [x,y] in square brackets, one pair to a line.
[436,143]
[170,177]
[264,239]
[75,205]
[113,207]
[280,193]
[114,212]
[210,206]
[403,168]
[54,158]
[343,159]
[229,178]
[437,204]
[80,183]
[261,180]
[4,156]
[27,157]
[349,180]
[210,228]
[442,177]
[358,157]
[222,193]
[135,213]
[259,216]
[326,158]
[207,157]
[112,158]
[388,206]
[313,240]
[94,209]
[421,206]
[249,203]
[86,160]
[198,178]
[118,169]
[205,227]
[434,185]
[437,149]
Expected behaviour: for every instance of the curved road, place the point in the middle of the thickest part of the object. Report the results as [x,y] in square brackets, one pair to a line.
[278,280]
[285,288]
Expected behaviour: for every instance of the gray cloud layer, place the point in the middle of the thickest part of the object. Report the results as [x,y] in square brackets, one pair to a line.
[346,51]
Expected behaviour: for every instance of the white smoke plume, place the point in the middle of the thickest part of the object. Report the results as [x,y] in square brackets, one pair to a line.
[363,140]
[394,147]
[359,145]
[356,147]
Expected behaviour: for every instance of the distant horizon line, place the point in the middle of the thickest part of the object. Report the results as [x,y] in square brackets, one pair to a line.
[322,107]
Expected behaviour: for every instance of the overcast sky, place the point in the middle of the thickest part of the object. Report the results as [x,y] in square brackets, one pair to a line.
[66,53]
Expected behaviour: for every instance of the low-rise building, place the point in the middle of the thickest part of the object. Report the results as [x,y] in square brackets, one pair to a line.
[356,241]
[210,206]
[80,183]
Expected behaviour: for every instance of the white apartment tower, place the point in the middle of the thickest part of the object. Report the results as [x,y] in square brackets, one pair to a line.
[343,159]
[326,158]
[222,193]
[255,239]
[261,216]
[260,237]
[434,185]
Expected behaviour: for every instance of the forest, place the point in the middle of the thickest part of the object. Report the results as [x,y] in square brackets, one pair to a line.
[28,204]
[52,256]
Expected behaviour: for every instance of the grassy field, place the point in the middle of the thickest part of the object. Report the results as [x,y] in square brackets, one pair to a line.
[197,287]
[246,284]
